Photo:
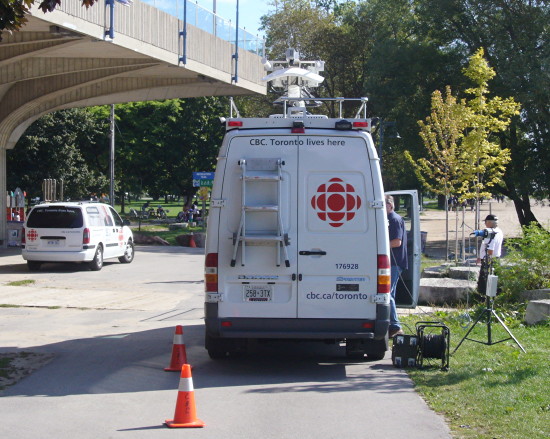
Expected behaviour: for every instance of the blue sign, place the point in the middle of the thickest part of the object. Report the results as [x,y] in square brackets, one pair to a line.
[201,179]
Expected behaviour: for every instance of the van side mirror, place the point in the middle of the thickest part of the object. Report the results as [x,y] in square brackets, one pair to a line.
[126,222]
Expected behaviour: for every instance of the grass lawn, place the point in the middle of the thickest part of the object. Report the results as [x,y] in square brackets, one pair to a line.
[492,391]
[162,231]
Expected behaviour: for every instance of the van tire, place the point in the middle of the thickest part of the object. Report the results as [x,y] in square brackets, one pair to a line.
[96,263]
[376,349]
[34,265]
[217,348]
[128,253]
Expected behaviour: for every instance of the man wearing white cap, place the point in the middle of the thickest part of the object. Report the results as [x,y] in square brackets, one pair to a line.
[491,247]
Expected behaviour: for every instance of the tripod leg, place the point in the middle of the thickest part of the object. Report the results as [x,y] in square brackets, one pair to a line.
[508,331]
[471,328]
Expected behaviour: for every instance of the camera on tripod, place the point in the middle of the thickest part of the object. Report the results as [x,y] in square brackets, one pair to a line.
[484,233]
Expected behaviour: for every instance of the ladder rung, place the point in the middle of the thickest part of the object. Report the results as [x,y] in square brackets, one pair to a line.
[261,176]
[262,208]
[258,239]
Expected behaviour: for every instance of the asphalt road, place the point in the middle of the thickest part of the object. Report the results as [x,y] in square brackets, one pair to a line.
[111,333]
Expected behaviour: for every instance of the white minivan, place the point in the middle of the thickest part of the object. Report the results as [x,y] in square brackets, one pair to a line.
[75,232]
[297,239]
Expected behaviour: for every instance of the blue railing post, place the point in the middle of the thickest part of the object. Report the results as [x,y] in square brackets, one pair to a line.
[183,59]
[236,55]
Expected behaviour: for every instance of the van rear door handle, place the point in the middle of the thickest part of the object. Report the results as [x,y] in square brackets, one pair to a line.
[312,253]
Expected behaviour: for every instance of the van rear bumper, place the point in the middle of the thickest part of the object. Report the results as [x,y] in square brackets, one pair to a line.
[59,256]
[295,328]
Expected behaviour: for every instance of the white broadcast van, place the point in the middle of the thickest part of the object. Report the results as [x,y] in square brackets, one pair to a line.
[76,232]
[297,239]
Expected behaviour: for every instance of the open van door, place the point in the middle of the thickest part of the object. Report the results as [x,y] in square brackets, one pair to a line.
[408,286]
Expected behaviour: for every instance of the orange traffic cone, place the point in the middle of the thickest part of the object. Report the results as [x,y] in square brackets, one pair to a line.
[192,241]
[186,412]
[179,354]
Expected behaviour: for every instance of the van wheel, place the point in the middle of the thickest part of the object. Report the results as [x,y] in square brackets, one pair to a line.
[128,253]
[34,265]
[97,263]
[376,349]
[217,348]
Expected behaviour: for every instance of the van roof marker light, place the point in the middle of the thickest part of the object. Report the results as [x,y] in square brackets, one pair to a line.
[298,128]
[343,125]
[235,123]
[361,124]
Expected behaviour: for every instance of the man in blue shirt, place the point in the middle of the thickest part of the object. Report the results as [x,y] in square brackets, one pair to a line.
[398,246]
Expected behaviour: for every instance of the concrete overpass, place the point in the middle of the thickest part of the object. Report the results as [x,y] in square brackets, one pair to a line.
[66,59]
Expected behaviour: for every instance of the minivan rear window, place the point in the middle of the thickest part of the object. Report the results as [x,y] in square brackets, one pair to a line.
[55,217]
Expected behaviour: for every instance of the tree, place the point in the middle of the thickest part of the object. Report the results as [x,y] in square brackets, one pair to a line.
[484,160]
[50,148]
[160,144]
[514,34]
[442,172]
[463,158]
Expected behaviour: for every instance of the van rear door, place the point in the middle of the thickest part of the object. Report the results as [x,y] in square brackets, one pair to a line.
[258,285]
[408,286]
[54,228]
[337,233]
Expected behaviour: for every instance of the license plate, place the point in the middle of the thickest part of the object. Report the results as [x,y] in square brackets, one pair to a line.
[54,243]
[258,293]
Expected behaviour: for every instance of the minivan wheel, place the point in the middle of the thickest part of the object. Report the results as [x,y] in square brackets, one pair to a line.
[97,263]
[34,265]
[128,253]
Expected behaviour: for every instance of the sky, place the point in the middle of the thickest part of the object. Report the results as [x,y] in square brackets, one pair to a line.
[250,11]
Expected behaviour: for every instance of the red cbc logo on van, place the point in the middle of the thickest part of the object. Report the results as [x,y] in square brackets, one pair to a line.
[32,235]
[336,202]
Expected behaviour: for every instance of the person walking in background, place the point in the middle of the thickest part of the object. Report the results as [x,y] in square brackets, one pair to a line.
[399,260]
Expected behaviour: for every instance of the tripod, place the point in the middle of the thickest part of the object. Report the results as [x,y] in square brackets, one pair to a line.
[489,312]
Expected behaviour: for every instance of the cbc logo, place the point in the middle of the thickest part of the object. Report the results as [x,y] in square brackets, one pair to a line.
[32,235]
[336,202]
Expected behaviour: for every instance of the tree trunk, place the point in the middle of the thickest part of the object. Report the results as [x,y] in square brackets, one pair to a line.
[523,209]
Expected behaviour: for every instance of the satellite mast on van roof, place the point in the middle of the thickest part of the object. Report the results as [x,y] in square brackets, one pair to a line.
[294,77]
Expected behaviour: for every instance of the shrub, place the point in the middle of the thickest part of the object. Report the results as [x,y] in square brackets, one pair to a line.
[527,265]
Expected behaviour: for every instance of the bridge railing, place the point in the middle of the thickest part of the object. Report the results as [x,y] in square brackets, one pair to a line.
[225,29]
[151,25]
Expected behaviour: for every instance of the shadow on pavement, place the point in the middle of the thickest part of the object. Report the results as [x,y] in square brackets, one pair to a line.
[135,362]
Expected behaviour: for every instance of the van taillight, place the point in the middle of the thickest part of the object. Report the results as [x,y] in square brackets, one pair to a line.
[384,274]
[211,273]
[23,236]
[86,236]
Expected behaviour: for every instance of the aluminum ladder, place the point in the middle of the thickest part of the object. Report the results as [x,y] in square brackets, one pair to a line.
[256,170]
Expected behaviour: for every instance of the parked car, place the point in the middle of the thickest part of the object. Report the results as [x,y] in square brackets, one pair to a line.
[88,232]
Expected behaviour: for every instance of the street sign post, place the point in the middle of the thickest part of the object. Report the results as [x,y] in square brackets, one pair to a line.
[203,179]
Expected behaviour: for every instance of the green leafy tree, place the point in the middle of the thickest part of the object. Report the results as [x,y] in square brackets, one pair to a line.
[463,159]
[160,144]
[484,161]
[527,265]
[441,171]
[514,34]
[50,148]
